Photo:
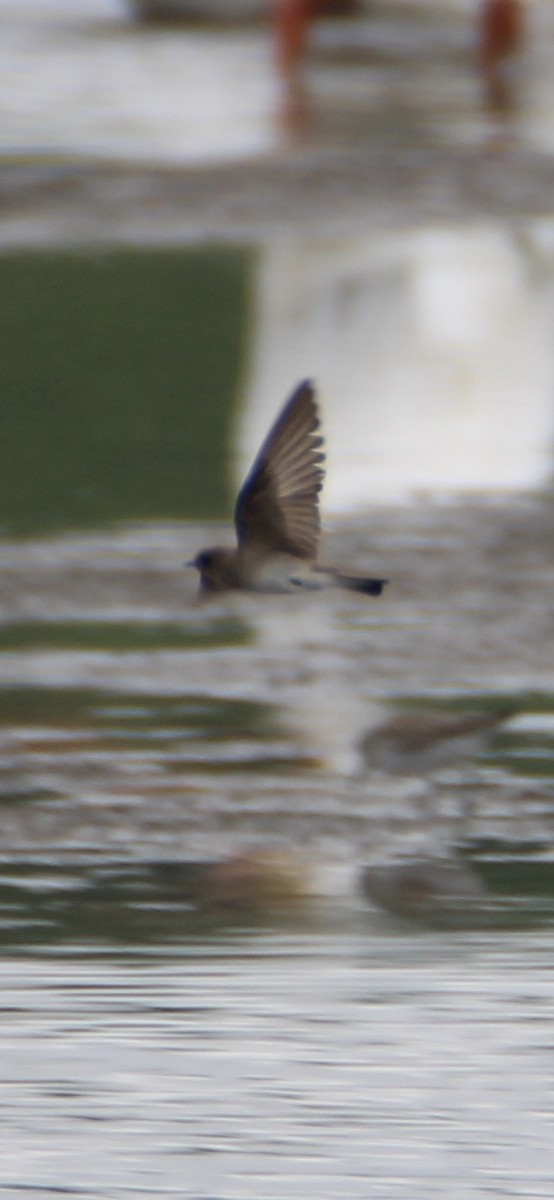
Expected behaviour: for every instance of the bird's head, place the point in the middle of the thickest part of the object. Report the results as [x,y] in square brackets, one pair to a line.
[205,560]
[217,569]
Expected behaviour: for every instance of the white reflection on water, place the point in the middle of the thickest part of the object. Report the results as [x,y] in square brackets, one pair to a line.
[433,350]
[365,1062]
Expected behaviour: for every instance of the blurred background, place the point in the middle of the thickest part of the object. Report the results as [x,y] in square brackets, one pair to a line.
[231,966]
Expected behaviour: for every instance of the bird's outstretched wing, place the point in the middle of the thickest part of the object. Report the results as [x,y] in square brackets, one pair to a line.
[278,505]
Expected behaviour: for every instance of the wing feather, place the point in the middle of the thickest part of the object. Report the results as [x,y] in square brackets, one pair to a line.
[278,505]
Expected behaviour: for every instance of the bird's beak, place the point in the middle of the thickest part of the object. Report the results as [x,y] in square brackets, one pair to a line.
[190,563]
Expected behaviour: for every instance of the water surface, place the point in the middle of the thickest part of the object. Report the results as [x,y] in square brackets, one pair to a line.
[362,1061]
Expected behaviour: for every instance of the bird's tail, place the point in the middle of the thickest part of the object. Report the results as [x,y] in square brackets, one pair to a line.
[359,583]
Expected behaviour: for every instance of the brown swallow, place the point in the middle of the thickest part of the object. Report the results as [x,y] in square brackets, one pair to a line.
[277,515]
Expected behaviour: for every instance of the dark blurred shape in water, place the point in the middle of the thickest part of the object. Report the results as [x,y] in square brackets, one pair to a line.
[119,374]
[232,12]
[448,893]
[494,39]
[501,34]
[439,891]
[201,11]
[261,881]
[161,903]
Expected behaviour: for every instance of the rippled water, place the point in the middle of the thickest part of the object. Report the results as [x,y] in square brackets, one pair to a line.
[197,999]
[137,727]
[355,1062]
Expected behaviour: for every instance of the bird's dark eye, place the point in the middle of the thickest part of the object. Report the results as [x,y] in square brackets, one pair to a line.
[204,559]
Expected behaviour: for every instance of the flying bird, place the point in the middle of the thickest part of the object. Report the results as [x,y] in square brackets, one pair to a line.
[277,515]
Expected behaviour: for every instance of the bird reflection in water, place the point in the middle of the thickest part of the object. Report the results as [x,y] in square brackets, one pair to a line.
[424,741]
[438,891]
[433,886]
[421,744]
